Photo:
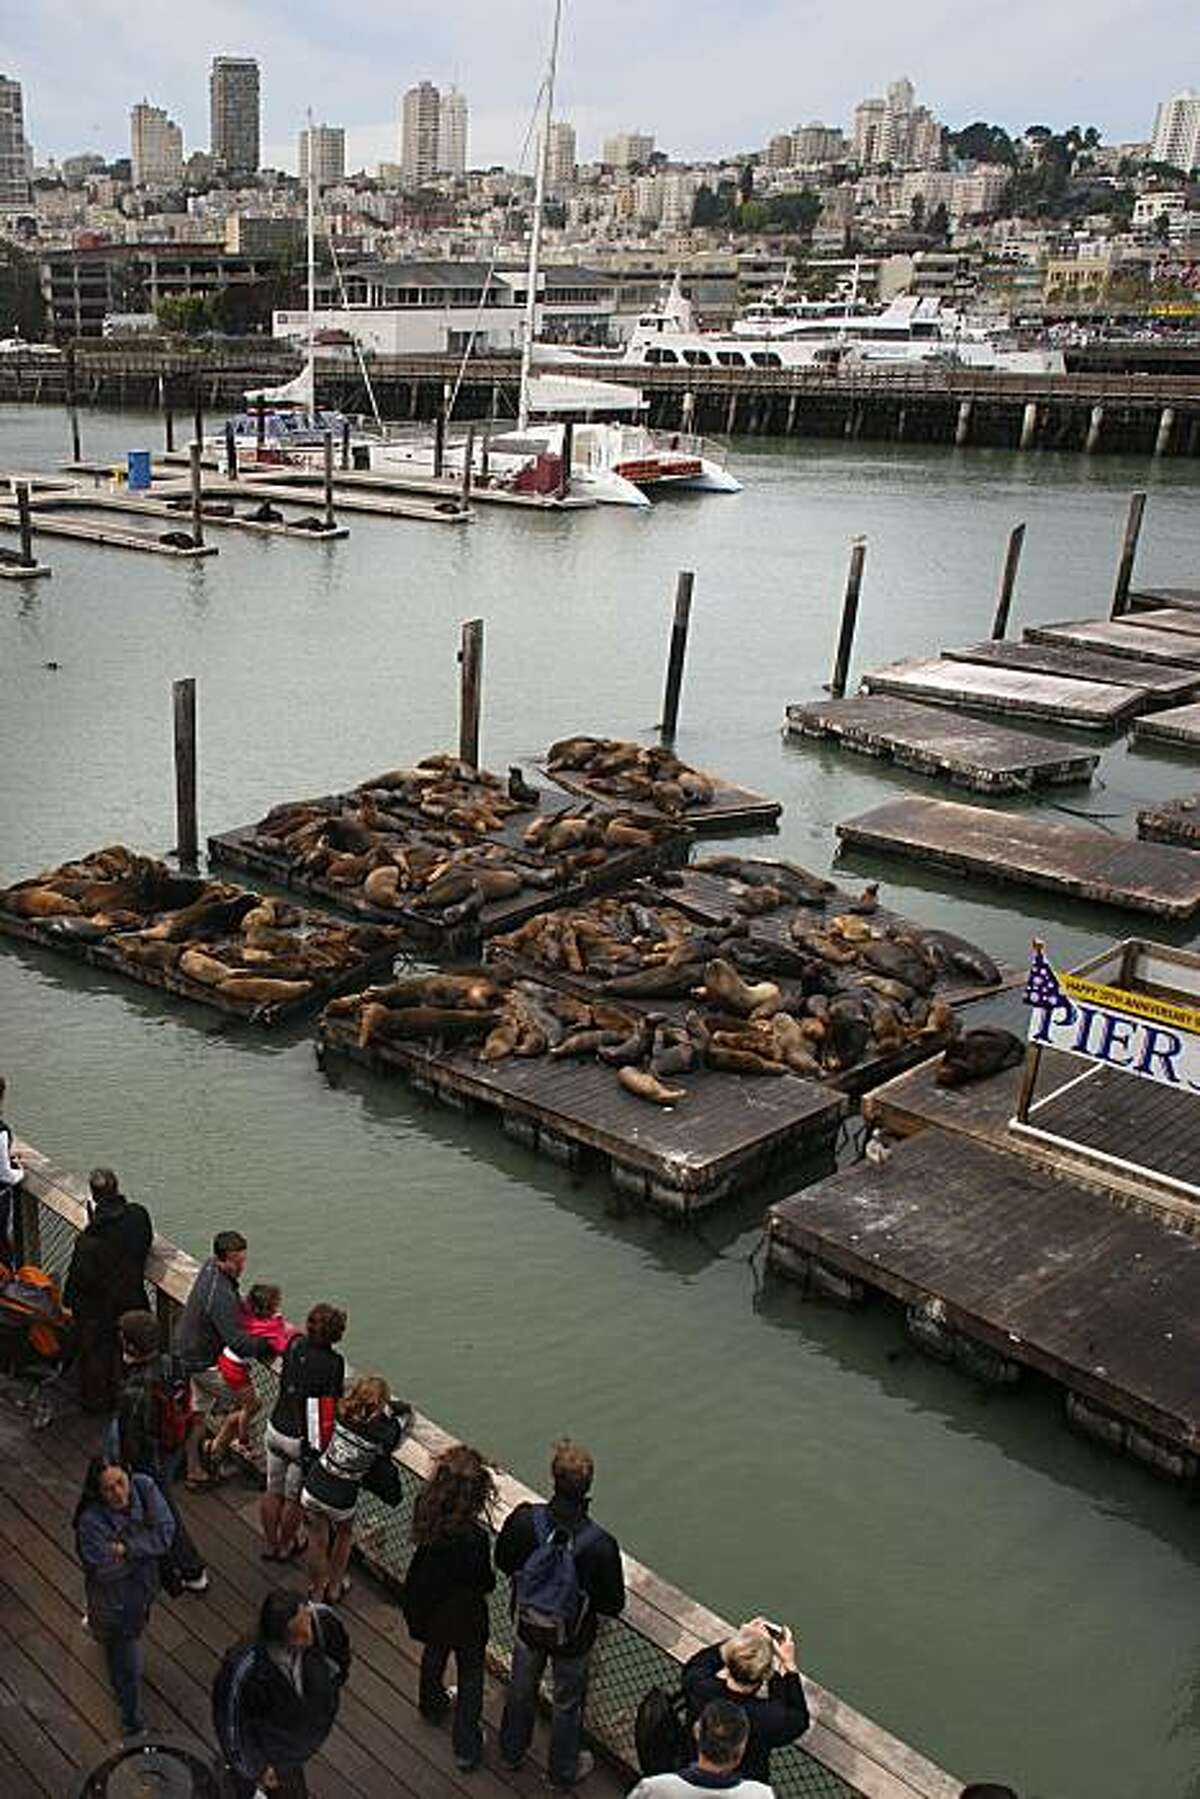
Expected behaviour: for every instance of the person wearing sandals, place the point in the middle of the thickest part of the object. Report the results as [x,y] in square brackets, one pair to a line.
[446,1589]
[312,1378]
[365,1435]
[210,1322]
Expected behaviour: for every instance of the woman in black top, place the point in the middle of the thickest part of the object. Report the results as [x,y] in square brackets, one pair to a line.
[756,1669]
[445,1593]
[312,1376]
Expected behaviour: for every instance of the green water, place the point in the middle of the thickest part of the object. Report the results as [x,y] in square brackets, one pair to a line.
[1009,1598]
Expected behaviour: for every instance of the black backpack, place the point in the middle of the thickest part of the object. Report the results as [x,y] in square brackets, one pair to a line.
[660,1733]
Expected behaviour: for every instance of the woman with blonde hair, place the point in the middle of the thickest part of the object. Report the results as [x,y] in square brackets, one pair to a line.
[756,1669]
[367,1431]
[446,1589]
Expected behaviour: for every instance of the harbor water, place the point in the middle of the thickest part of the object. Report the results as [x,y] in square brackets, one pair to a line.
[1014,1601]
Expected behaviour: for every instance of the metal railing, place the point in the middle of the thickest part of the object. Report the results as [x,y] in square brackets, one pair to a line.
[841,1755]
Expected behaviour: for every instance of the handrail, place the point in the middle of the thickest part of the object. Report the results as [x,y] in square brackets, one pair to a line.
[862,1755]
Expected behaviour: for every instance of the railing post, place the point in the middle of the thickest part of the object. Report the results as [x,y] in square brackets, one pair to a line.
[676,653]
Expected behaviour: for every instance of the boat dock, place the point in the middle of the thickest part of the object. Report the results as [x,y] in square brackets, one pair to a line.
[1174,821]
[1004,1269]
[58,1720]
[1013,692]
[1143,599]
[933,740]
[1121,637]
[111,537]
[1034,852]
[1178,725]
[1163,685]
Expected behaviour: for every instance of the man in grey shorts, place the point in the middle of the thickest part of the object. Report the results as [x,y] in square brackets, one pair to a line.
[211,1322]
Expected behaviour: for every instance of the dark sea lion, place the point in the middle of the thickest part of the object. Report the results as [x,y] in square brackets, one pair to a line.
[584,1043]
[661,982]
[447,1023]
[634,1048]
[152,953]
[725,987]
[740,1061]
[977,1055]
[899,961]
[205,920]
[963,957]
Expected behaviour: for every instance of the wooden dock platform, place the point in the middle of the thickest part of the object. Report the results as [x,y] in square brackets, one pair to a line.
[1165,685]
[733,809]
[1181,620]
[1120,637]
[1013,692]
[1178,725]
[1144,599]
[1042,1273]
[175,511]
[934,740]
[680,1160]
[107,536]
[1174,821]
[1032,852]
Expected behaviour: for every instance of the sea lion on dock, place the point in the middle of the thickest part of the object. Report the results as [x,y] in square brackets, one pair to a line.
[955,954]
[900,959]
[633,1048]
[645,1086]
[382,887]
[260,990]
[41,902]
[148,953]
[376,1021]
[977,1055]
[725,987]
[741,1061]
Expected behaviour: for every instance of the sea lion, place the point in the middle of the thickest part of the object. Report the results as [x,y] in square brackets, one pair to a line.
[792,1044]
[661,982]
[724,985]
[262,990]
[741,1061]
[850,928]
[622,835]
[645,1086]
[41,902]
[847,1036]
[208,918]
[382,887]
[422,1021]
[584,1043]
[963,957]
[501,1041]
[756,901]
[867,901]
[977,1055]
[203,968]
[899,959]
[633,1048]
[673,1052]
[155,953]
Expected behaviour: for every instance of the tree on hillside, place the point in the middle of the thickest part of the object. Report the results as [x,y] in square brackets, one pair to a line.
[981,142]
[706,209]
[22,308]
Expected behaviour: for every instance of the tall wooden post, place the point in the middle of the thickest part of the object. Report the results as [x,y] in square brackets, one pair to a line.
[260,428]
[568,456]
[1133,530]
[230,451]
[841,666]
[678,649]
[197,494]
[468,462]
[198,412]
[72,402]
[345,443]
[470,658]
[484,470]
[1008,581]
[329,519]
[187,837]
[25,522]
[168,421]
[439,445]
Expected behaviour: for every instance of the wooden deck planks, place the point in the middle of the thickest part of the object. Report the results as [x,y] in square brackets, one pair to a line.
[56,1712]
[933,740]
[1120,637]
[1175,821]
[1157,678]
[1042,1270]
[732,808]
[1179,725]
[1148,598]
[1182,621]
[1034,852]
[1091,705]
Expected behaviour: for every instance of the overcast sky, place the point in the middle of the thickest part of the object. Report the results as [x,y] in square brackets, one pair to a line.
[703,75]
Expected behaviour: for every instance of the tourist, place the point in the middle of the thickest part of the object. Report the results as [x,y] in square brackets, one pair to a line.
[557,1546]
[210,1322]
[122,1526]
[275,1697]
[107,1276]
[366,1433]
[756,1668]
[12,1173]
[722,1733]
[260,1314]
[149,1431]
[446,1589]
[312,1377]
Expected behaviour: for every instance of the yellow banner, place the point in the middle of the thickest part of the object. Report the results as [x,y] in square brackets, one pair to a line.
[1137,1005]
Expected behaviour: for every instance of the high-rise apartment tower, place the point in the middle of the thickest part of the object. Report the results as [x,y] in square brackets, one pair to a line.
[14,161]
[327,144]
[155,147]
[233,110]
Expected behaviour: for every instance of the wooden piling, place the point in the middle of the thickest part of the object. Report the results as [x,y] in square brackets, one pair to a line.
[345,443]
[1016,542]
[1029,422]
[962,429]
[231,456]
[187,832]
[439,445]
[194,454]
[568,453]
[72,402]
[676,653]
[328,470]
[468,469]
[25,522]
[260,428]
[841,666]
[1095,426]
[1133,530]
[168,424]
[470,658]
[1166,421]
[198,413]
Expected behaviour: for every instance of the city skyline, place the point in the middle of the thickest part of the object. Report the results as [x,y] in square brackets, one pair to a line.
[677,86]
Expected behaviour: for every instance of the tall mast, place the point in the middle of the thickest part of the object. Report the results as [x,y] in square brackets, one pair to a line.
[535,235]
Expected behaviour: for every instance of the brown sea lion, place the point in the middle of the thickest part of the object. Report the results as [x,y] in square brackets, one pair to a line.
[633,1048]
[259,990]
[382,887]
[422,1021]
[620,834]
[152,953]
[501,1041]
[203,968]
[740,1061]
[42,902]
[645,1086]
[725,986]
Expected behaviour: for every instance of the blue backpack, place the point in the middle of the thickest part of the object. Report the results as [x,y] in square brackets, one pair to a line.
[549,1605]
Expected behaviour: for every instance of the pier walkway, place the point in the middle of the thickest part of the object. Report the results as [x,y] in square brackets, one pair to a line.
[56,1713]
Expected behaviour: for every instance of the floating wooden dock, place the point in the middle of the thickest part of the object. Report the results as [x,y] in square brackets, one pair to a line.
[728,1132]
[733,808]
[23,571]
[1120,637]
[438,492]
[1143,599]
[175,510]
[1092,705]
[1178,725]
[1032,852]
[1038,1273]
[933,740]
[1164,684]
[1174,821]
[1179,620]
[108,536]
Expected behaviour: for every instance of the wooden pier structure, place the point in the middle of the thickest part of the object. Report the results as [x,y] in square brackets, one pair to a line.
[933,740]
[57,1718]
[1161,684]
[1136,635]
[1179,725]
[1174,821]
[1034,852]
[1012,692]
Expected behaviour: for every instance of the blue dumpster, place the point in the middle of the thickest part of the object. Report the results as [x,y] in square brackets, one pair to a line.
[138,472]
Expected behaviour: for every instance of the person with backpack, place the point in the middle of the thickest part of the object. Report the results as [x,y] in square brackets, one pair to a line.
[123,1526]
[366,1434]
[721,1735]
[149,1431]
[446,1591]
[566,1574]
[12,1173]
[756,1669]
[107,1276]
[312,1378]
[275,1697]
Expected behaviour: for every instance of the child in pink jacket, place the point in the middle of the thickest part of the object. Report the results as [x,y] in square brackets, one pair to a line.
[260,1316]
